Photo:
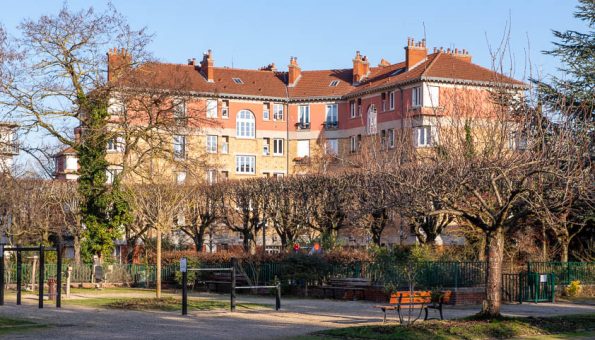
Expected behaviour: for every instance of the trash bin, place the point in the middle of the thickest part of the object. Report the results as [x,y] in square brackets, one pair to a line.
[52,288]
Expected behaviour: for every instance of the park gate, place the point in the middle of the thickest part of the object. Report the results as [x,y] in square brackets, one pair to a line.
[528,287]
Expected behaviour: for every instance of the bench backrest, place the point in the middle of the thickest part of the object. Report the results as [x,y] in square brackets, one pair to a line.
[418,297]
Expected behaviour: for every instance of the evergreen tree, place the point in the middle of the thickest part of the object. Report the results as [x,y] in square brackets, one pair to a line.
[575,93]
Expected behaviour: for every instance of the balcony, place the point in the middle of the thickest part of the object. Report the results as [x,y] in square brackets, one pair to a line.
[9,148]
[302,125]
[331,125]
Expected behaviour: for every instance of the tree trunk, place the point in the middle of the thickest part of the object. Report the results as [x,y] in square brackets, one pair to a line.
[199,240]
[77,249]
[564,241]
[158,265]
[495,254]
[543,243]
[246,241]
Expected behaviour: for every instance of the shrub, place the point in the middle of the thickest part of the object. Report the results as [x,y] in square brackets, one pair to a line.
[574,288]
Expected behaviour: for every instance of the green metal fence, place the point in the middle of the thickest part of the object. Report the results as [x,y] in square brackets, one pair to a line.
[566,272]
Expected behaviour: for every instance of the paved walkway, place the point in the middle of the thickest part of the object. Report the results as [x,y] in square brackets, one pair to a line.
[297,317]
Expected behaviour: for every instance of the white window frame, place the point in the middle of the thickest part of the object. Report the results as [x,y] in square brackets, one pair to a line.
[332,115]
[301,153]
[245,125]
[304,116]
[266,146]
[352,109]
[423,136]
[391,138]
[416,96]
[180,177]
[391,100]
[179,140]
[115,144]
[432,95]
[111,173]
[332,147]
[245,164]
[278,146]
[212,141]
[224,144]
[224,111]
[179,111]
[353,144]
[212,107]
[211,176]
[278,113]
[266,112]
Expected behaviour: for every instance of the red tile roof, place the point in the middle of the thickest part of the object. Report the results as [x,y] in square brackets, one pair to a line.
[312,84]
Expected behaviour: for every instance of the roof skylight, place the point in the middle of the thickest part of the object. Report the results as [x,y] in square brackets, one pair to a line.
[334,83]
[237,80]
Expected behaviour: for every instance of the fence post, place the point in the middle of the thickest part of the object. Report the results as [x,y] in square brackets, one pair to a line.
[1,274]
[553,280]
[59,275]
[278,297]
[233,284]
[41,274]
[19,275]
[520,288]
[184,293]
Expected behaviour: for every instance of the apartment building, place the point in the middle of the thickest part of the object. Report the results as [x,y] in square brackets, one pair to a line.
[9,146]
[267,122]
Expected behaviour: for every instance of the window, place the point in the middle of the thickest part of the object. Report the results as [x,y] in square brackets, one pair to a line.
[72,163]
[115,144]
[212,108]
[383,143]
[352,144]
[180,112]
[332,115]
[416,96]
[211,176]
[304,116]
[237,80]
[277,147]
[245,164]
[334,83]
[266,112]
[266,146]
[224,144]
[391,100]
[391,138]
[245,126]
[278,112]
[424,136]
[332,147]
[179,147]
[180,177]
[225,110]
[352,109]
[433,96]
[359,107]
[112,174]
[383,96]
[372,121]
[303,148]
[517,141]
[212,144]
[224,175]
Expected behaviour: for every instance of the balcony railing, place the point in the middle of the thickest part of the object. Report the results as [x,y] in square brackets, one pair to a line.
[331,125]
[302,125]
[9,148]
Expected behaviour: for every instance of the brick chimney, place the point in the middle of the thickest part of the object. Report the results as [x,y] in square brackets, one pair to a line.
[361,67]
[294,71]
[415,52]
[462,54]
[118,61]
[207,66]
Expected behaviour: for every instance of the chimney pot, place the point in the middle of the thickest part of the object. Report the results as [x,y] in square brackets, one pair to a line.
[415,53]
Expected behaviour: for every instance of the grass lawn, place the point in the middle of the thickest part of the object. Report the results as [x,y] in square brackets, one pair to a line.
[164,304]
[110,290]
[9,325]
[563,327]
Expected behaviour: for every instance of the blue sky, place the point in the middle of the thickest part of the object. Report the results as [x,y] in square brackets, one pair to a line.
[326,34]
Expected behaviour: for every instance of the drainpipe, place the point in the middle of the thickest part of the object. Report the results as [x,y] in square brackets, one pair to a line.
[287,130]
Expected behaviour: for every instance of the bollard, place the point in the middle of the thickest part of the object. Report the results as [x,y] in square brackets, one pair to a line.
[68,278]
[234,262]
[278,297]
[184,292]
[52,288]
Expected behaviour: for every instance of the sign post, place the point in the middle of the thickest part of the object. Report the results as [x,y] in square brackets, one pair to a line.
[184,270]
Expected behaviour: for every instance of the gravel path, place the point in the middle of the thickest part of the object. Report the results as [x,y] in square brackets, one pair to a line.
[297,317]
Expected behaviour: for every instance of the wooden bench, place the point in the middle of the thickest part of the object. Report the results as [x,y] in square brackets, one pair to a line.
[355,285]
[419,299]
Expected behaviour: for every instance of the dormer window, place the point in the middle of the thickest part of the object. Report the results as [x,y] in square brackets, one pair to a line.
[237,80]
[334,83]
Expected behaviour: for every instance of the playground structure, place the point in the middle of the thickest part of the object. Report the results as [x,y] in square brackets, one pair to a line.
[41,250]
[184,270]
